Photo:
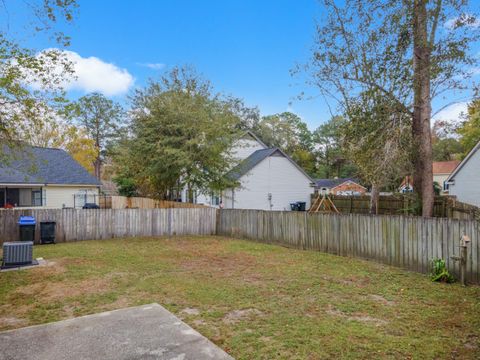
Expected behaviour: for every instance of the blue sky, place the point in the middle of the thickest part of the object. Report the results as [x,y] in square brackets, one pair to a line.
[245,47]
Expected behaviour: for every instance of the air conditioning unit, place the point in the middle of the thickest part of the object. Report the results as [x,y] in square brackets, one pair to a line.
[17,253]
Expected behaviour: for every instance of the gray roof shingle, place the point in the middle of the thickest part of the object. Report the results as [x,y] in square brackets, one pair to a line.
[249,163]
[330,183]
[36,165]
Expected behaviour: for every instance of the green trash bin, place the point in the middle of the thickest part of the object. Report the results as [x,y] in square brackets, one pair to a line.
[27,228]
[47,232]
[301,205]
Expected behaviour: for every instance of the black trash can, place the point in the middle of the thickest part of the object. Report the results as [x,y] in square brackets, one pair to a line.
[27,228]
[47,232]
[294,206]
[301,205]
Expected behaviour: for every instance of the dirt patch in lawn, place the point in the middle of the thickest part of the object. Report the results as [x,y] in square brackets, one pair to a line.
[190,311]
[11,321]
[354,281]
[51,291]
[381,300]
[48,268]
[356,317]
[199,322]
[240,315]
[240,265]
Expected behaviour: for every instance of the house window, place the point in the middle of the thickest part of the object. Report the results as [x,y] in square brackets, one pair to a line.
[37,198]
[445,186]
[21,197]
[215,199]
[84,197]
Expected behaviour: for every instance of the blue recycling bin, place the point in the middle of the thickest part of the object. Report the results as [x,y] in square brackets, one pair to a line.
[27,228]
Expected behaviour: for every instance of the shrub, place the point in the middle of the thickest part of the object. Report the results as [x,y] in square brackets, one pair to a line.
[440,272]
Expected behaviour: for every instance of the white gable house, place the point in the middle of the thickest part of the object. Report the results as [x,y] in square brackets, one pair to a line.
[464,181]
[268,179]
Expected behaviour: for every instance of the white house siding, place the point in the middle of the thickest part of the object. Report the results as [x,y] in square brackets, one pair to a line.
[275,175]
[241,150]
[57,197]
[440,179]
[245,147]
[466,185]
[201,198]
[227,198]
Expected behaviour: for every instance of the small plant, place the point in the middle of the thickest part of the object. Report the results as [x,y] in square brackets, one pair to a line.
[440,272]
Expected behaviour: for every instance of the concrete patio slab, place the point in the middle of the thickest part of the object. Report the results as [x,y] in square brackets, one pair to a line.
[143,332]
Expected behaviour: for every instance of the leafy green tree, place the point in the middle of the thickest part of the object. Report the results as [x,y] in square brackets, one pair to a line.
[447,149]
[330,155]
[469,130]
[446,145]
[126,186]
[102,119]
[181,135]
[288,132]
[377,140]
[249,117]
[403,50]
[305,159]
[30,82]
[60,134]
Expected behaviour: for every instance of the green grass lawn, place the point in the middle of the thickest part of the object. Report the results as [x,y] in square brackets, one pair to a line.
[255,301]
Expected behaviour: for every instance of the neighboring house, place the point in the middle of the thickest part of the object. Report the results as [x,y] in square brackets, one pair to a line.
[44,177]
[268,179]
[441,171]
[407,185]
[464,181]
[346,186]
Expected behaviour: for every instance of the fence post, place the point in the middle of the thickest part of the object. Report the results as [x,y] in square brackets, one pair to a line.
[217,220]
[169,221]
[305,233]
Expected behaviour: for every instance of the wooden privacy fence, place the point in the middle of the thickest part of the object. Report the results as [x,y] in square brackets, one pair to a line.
[79,224]
[123,202]
[444,206]
[404,241]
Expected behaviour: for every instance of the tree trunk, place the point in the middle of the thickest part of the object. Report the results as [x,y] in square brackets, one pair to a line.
[374,196]
[98,162]
[423,172]
[98,168]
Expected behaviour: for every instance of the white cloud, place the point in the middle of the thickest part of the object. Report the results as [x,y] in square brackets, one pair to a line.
[452,113]
[467,19]
[153,66]
[93,74]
